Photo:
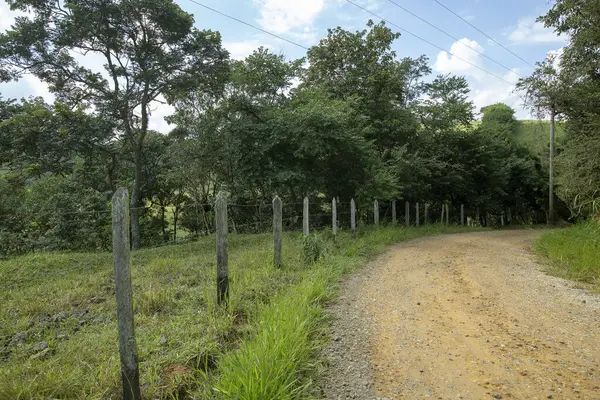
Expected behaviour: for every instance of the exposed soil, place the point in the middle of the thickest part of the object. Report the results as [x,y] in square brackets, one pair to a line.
[468,316]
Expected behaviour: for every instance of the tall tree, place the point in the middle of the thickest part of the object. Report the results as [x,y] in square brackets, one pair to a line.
[150,50]
[579,66]
[544,93]
[362,66]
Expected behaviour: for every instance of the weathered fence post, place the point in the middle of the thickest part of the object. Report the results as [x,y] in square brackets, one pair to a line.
[417,214]
[443,211]
[305,228]
[447,214]
[407,213]
[130,374]
[353,217]
[462,215]
[334,216]
[509,216]
[502,218]
[277,231]
[426,216]
[376,212]
[393,212]
[222,258]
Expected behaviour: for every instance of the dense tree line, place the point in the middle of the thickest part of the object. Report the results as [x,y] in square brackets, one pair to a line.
[351,120]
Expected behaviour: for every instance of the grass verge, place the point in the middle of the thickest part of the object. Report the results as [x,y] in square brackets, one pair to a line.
[573,252]
[58,328]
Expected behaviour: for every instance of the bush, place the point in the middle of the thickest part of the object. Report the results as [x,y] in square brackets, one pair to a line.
[312,247]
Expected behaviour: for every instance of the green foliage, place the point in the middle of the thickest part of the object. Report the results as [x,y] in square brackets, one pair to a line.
[155,53]
[576,67]
[499,120]
[573,252]
[357,122]
[312,247]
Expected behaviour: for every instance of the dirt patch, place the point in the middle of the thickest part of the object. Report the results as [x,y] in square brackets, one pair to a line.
[469,316]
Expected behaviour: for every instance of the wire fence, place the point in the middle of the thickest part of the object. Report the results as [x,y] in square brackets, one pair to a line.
[198,219]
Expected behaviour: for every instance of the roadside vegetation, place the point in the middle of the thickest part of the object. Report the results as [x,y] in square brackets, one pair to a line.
[573,252]
[58,326]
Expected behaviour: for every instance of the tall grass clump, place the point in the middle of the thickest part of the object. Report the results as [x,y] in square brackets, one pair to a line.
[275,363]
[573,252]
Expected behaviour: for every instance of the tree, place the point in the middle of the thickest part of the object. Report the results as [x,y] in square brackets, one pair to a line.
[363,66]
[150,52]
[579,66]
[499,120]
[544,93]
[447,105]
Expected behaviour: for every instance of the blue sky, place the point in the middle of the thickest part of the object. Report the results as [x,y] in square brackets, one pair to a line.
[510,22]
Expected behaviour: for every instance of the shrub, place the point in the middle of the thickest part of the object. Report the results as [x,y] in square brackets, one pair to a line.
[312,247]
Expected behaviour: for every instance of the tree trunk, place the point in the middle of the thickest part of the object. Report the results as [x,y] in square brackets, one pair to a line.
[164,228]
[136,236]
[175,218]
[551,173]
[136,195]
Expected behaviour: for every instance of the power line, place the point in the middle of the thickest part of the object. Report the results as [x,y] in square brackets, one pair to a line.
[430,43]
[453,37]
[248,24]
[485,34]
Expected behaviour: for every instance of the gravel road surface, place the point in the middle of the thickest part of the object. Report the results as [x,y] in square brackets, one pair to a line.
[466,316]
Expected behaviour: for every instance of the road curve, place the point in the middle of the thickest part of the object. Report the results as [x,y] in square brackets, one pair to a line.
[466,316]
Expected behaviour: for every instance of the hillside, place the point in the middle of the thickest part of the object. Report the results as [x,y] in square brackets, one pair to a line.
[535,135]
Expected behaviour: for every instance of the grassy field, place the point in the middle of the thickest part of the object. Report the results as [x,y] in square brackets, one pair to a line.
[573,252]
[58,335]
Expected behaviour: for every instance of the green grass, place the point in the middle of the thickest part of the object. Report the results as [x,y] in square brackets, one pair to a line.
[263,347]
[573,252]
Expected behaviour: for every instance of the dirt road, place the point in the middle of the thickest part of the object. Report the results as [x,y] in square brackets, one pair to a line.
[469,316]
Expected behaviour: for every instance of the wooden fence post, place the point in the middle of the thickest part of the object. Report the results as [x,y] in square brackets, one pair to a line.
[443,210]
[353,217]
[462,215]
[305,228]
[447,214]
[130,374]
[376,212]
[222,258]
[407,213]
[334,216]
[417,214]
[426,216]
[393,212]
[502,218]
[277,231]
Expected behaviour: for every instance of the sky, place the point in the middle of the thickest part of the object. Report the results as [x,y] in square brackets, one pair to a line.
[461,50]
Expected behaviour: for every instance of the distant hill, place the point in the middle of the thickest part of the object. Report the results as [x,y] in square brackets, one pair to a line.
[535,135]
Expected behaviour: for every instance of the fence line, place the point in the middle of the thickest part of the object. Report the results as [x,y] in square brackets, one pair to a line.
[122,254]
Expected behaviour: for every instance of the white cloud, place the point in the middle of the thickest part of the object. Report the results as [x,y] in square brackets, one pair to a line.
[38,88]
[485,89]
[241,50]
[462,59]
[556,57]
[7,16]
[283,16]
[158,112]
[529,31]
